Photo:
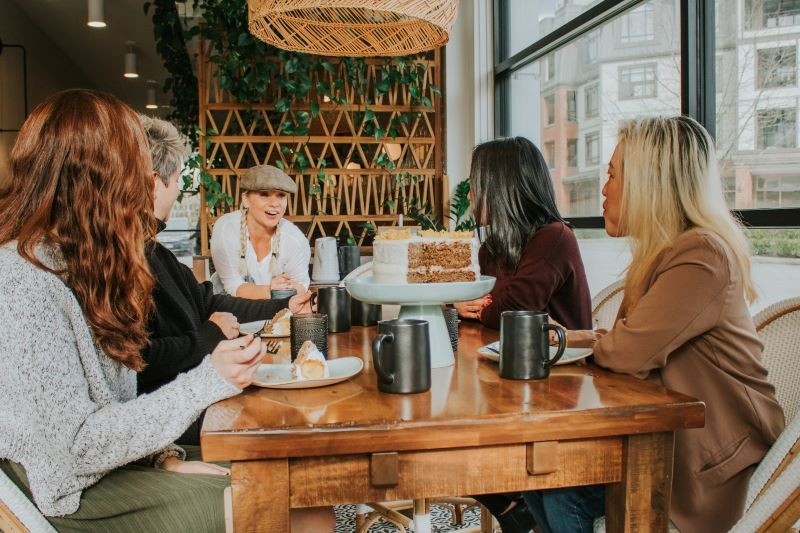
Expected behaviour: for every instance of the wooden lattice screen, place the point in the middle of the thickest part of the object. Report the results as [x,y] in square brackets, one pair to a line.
[247,135]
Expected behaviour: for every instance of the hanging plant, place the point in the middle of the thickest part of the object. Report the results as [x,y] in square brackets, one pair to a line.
[171,36]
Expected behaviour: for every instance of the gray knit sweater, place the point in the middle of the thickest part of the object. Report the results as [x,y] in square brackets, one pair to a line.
[68,413]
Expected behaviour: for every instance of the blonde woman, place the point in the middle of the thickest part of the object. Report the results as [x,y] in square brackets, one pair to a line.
[684,321]
[256,249]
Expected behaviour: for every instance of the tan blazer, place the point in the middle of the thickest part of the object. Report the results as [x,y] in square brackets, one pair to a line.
[692,332]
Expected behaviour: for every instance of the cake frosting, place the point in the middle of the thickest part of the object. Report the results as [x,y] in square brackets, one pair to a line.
[310,363]
[280,324]
[405,256]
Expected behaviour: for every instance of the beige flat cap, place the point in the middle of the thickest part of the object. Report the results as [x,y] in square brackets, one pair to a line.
[267,177]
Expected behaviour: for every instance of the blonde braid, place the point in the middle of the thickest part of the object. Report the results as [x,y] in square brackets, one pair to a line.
[243,237]
[274,248]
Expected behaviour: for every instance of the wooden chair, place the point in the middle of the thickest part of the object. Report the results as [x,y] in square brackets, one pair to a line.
[369,513]
[17,513]
[605,305]
[773,496]
[778,327]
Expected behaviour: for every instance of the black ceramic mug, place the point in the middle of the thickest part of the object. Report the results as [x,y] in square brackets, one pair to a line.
[335,302]
[525,344]
[401,354]
[363,313]
[349,259]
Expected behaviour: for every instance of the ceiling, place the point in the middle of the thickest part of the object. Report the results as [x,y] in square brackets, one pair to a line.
[99,52]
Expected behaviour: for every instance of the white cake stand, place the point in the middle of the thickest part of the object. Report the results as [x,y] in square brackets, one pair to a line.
[422,300]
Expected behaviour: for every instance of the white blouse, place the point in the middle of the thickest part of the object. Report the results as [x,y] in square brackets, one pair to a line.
[294,254]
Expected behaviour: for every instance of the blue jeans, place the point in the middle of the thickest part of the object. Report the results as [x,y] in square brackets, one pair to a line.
[569,510]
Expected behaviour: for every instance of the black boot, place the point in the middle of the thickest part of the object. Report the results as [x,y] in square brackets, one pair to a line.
[517,520]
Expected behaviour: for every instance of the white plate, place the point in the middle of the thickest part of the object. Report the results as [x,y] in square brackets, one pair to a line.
[258,325]
[252,327]
[280,376]
[570,354]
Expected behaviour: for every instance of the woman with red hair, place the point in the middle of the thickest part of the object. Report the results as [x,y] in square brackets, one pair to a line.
[75,294]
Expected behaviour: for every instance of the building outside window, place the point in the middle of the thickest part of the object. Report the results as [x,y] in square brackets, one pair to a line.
[777,67]
[777,128]
[550,67]
[572,106]
[592,43]
[550,104]
[638,81]
[572,152]
[769,14]
[592,98]
[592,148]
[638,25]
[550,154]
[777,191]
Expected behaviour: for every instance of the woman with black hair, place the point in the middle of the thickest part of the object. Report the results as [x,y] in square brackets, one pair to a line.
[528,246]
[531,251]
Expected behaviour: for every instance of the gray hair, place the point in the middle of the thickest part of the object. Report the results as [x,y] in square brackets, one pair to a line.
[168,147]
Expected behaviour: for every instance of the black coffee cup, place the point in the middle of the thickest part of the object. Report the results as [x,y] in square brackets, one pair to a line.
[364,314]
[335,302]
[525,344]
[349,259]
[279,294]
[401,354]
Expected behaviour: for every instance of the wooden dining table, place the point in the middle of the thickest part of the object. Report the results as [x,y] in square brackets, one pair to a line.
[473,432]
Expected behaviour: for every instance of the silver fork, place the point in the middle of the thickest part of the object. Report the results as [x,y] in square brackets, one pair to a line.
[272,346]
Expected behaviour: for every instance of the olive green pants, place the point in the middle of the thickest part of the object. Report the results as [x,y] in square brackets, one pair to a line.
[140,499]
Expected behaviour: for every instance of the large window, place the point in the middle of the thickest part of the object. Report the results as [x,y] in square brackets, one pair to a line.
[592,98]
[777,128]
[638,81]
[777,67]
[592,148]
[572,152]
[638,25]
[572,106]
[624,60]
[771,14]
[550,109]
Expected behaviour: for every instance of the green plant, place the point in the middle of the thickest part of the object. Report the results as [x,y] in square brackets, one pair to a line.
[181,84]
[346,238]
[460,211]
[195,174]
[460,214]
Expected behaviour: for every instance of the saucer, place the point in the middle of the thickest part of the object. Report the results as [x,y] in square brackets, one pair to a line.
[570,354]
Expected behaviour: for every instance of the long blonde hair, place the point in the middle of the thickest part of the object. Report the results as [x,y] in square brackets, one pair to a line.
[671,184]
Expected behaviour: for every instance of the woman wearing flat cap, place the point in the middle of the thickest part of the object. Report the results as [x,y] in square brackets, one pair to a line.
[255,249]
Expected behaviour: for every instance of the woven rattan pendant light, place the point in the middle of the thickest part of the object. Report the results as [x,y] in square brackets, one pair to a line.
[352,27]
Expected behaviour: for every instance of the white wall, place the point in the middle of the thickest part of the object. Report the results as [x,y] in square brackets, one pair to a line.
[460,95]
[49,71]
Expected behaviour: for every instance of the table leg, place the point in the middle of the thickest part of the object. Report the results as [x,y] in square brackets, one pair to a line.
[260,495]
[640,501]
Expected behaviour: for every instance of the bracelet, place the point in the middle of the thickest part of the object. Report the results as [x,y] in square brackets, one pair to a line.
[159,458]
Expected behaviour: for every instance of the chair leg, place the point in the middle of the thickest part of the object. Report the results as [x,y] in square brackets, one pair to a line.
[422,516]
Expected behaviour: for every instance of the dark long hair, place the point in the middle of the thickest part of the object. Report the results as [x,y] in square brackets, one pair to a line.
[512,191]
[81,180]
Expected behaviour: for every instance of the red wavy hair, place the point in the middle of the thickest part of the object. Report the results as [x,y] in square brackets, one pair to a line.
[81,179]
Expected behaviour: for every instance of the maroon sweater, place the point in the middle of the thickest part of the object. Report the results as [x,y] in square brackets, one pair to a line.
[549,277]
